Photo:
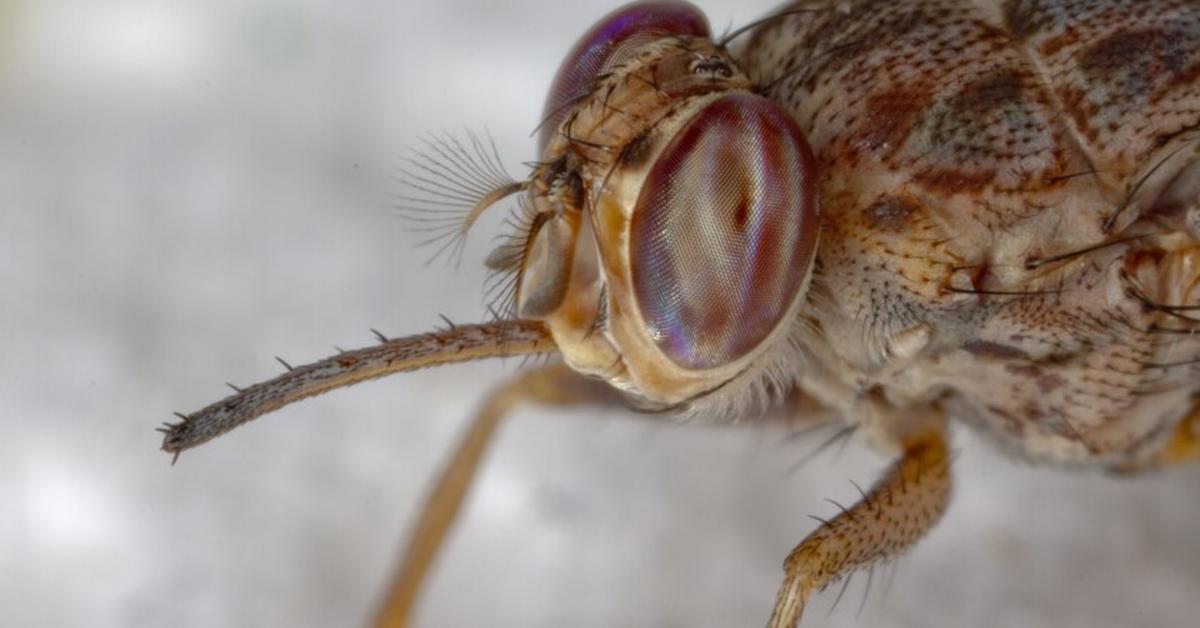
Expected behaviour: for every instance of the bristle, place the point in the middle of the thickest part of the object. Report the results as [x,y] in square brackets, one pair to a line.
[446,185]
[505,262]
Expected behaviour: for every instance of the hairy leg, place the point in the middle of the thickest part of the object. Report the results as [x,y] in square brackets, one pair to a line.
[555,385]
[891,517]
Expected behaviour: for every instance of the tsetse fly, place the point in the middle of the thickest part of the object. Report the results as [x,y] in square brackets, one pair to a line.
[901,214]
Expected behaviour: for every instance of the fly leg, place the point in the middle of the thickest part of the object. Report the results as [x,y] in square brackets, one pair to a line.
[902,506]
[1183,448]
[555,385]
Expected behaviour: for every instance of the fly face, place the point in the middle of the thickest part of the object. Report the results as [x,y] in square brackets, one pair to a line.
[672,216]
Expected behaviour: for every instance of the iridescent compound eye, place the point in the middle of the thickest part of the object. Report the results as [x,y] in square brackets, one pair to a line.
[724,231]
[607,44]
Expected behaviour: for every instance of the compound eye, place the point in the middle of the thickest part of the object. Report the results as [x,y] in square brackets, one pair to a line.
[607,44]
[724,231]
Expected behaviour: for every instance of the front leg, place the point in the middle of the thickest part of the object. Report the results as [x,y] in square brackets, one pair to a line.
[892,516]
[554,385]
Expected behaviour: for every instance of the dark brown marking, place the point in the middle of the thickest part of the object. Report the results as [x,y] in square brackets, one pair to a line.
[1052,46]
[635,152]
[952,180]
[890,117]
[891,214]
[971,133]
[1119,54]
[1022,18]
[1009,419]
[1136,66]
[1032,371]
[1050,383]
[575,185]
[993,350]
[1073,102]
[988,94]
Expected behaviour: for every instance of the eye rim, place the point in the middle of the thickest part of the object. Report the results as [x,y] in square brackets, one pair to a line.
[650,371]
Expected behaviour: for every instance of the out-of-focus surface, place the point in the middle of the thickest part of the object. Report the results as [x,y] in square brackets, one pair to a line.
[190,188]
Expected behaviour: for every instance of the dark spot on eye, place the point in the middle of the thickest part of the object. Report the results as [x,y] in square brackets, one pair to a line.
[741,215]
[993,350]
[890,214]
[635,152]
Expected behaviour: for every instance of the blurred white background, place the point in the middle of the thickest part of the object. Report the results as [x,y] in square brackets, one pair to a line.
[189,188]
